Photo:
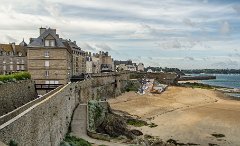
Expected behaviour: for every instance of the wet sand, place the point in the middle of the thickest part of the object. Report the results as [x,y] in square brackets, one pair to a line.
[185,114]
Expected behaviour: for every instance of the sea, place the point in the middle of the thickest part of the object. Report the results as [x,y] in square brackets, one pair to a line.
[224,80]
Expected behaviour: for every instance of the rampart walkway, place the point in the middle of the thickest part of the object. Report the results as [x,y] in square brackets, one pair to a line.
[79,127]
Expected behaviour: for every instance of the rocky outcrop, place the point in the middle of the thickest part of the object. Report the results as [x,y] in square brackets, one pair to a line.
[115,126]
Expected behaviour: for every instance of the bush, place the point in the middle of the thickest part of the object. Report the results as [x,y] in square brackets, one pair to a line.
[136,123]
[74,141]
[15,77]
[13,143]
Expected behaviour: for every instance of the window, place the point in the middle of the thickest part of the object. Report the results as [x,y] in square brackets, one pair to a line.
[19,53]
[46,73]
[4,67]
[46,53]
[18,68]
[22,67]
[47,82]
[46,63]
[4,61]
[11,53]
[22,61]
[11,67]
[52,43]
[47,43]
[11,61]
[17,61]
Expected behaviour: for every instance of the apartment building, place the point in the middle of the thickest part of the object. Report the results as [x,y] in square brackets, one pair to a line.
[79,61]
[13,58]
[49,58]
[102,62]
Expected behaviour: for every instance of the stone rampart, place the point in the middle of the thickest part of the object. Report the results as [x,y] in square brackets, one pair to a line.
[16,94]
[46,122]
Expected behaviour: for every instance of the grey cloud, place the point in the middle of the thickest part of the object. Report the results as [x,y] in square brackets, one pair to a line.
[189,58]
[225,64]
[225,27]
[103,47]
[205,1]
[236,8]
[86,46]
[10,39]
[188,22]
[150,58]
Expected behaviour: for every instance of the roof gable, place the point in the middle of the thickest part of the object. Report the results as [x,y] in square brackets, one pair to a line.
[49,33]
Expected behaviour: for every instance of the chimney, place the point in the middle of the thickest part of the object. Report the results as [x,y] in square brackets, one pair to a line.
[42,30]
[75,42]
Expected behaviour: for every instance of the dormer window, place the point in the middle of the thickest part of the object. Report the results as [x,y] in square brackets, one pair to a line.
[49,43]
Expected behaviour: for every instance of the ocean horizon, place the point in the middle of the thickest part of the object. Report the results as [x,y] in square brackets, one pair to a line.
[223,80]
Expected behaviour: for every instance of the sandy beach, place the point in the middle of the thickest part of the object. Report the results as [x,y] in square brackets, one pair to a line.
[186,115]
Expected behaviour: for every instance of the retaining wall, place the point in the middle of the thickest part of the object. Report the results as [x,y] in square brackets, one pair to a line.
[16,94]
[46,122]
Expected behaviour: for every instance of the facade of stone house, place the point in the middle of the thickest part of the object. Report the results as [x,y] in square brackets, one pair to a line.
[79,62]
[89,65]
[49,58]
[102,62]
[13,58]
[140,67]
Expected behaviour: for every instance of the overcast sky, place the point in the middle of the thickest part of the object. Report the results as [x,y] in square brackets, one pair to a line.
[166,33]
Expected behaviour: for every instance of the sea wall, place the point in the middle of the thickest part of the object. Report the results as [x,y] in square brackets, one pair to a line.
[16,94]
[46,122]
[164,78]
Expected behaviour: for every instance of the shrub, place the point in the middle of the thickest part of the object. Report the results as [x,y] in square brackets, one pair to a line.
[15,77]
[74,141]
[13,143]
[136,123]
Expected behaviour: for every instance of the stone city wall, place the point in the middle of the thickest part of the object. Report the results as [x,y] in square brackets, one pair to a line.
[46,122]
[16,94]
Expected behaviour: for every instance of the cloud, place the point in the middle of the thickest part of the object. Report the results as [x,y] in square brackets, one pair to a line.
[103,47]
[236,8]
[205,1]
[189,58]
[225,27]
[9,39]
[150,58]
[188,22]
[174,27]
[86,46]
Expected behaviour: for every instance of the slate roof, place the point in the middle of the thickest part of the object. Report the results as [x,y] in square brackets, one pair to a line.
[39,42]
[128,62]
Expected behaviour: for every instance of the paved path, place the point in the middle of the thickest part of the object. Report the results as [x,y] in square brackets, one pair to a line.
[79,127]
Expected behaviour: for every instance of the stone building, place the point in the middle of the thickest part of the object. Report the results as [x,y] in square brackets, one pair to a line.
[49,58]
[125,65]
[13,58]
[79,61]
[89,64]
[140,67]
[102,62]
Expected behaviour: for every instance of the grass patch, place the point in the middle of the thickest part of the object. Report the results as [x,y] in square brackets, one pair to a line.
[152,125]
[74,141]
[15,77]
[136,123]
[218,135]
